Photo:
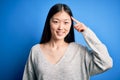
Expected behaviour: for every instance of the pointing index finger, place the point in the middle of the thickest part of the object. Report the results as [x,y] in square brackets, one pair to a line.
[76,21]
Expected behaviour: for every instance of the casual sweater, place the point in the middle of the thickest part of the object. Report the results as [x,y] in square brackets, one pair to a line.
[78,62]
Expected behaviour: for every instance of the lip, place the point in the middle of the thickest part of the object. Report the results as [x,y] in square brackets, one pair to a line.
[60,33]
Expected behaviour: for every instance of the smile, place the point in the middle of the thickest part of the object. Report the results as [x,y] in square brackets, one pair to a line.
[60,33]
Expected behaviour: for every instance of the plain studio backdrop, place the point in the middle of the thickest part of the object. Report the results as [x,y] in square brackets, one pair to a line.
[22,22]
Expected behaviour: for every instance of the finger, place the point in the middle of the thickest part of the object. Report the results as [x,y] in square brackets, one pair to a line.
[77,25]
[80,29]
[76,21]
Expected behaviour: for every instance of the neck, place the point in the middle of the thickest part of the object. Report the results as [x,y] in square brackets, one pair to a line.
[57,43]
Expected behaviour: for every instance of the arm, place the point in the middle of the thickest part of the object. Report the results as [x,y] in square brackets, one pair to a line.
[97,59]
[29,73]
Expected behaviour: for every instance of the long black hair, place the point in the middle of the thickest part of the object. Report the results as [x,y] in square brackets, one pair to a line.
[46,36]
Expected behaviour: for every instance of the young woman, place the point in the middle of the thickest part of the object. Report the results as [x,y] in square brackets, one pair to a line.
[58,57]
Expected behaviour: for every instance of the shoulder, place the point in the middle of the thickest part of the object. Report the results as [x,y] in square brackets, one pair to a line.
[77,46]
[35,47]
[35,51]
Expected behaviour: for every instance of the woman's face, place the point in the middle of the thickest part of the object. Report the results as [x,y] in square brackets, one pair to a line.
[60,25]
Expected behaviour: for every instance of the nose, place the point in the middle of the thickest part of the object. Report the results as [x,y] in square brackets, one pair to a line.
[60,26]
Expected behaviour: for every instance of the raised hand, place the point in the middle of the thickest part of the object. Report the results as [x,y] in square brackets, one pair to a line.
[80,27]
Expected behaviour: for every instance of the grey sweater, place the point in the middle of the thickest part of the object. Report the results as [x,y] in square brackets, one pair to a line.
[78,62]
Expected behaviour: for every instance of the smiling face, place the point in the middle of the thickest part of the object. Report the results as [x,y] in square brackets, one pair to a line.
[60,25]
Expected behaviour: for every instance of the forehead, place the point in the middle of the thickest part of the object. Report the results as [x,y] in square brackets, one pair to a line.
[61,15]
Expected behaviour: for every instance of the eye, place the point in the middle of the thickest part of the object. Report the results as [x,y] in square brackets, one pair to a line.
[66,22]
[55,22]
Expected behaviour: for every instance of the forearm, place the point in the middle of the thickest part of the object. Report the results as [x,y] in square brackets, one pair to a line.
[99,50]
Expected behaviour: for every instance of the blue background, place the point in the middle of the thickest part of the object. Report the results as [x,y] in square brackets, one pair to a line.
[21,26]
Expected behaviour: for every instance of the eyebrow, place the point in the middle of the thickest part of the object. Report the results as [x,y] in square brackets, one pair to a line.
[59,19]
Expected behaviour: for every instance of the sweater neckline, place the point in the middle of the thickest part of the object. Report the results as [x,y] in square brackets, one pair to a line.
[59,61]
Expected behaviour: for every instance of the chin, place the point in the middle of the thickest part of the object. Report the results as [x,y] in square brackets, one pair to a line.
[60,38]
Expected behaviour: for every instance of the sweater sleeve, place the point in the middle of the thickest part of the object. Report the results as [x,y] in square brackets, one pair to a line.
[97,59]
[29,73]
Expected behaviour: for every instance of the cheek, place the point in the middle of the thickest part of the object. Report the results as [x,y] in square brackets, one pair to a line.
[52,26]
[53,29]
[68,28]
